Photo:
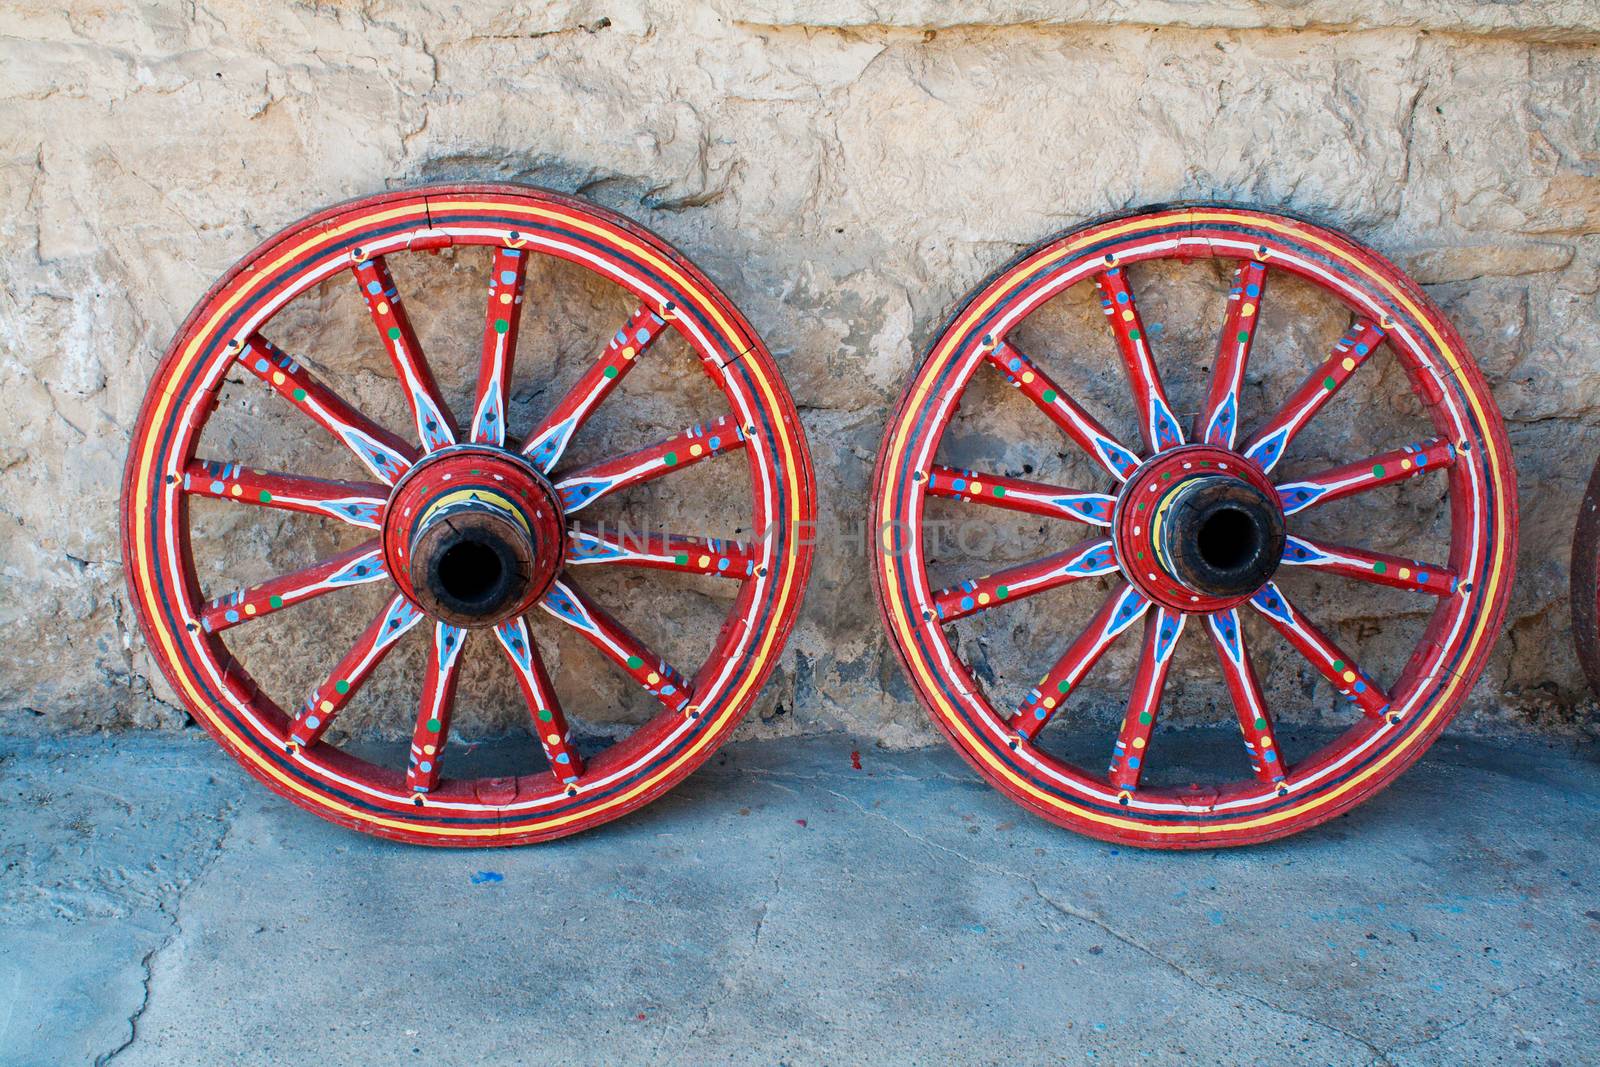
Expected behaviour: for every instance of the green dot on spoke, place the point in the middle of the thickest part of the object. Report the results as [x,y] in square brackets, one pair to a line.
[1002,592]
[681,559]
[670,459]
[433,726]
[611,372]
[1048,396]
[299,394]
[266,497]
[1329,384]
[1244,335]
[341,686]
[544,715]
[1133,335]
[634,663]
[501,326]
[1377,470]
[276,601]
[1379,567]
[394,333]
[1261,724]
[1144,718]
[1338,664]
[1063,685]
[999,490]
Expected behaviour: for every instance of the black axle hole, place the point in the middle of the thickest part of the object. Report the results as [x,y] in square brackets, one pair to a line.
[470,573]
[1228,540]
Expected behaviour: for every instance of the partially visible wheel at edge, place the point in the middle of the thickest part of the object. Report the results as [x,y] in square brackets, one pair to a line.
[1585,582]
[1164,504]
[471,524]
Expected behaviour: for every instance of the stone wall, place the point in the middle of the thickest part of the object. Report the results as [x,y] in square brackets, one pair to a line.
[846,170]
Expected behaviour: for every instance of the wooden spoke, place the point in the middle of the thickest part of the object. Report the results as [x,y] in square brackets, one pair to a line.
[1218,421]
[1255,719]
[1086,559]
[550,438]
[668,552]
[1268,444]
[1076,423]
[332,694]
[382,452]
[587,484]
[1121,610]
[549,724]
[1161,632]
[433,714]
[567,603]
[1393,466]
[1320,651]
[1014,494]
[507,276]
[360,565]
[435,427]
[1365,566]
[357,503]
[1156,422]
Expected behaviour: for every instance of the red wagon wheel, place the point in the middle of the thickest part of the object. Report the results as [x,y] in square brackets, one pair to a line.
[1584,578]
[472,527]
[1198,525]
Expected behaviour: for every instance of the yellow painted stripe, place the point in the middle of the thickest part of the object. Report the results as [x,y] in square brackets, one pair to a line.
[898,451]
[489,496]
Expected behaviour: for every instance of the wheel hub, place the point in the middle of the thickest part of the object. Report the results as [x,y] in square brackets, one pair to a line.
[474,535]
[1198,529]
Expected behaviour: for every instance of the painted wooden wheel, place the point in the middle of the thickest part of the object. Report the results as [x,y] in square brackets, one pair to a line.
[1584,577]
[1196,525]
[467,525]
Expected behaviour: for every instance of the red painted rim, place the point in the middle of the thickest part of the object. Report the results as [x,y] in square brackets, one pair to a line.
[1265,796]
[230,328]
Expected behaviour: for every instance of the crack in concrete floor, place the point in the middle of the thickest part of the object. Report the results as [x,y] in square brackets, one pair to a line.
[174,914]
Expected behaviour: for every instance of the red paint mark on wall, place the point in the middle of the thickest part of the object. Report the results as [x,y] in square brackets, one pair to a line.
[855,761]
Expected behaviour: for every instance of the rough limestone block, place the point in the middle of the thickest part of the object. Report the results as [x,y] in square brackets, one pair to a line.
[845,170]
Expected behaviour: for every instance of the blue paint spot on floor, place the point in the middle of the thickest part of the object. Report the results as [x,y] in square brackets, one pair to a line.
[487,876]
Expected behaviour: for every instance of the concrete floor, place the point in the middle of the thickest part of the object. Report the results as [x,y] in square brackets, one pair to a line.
[781,907]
